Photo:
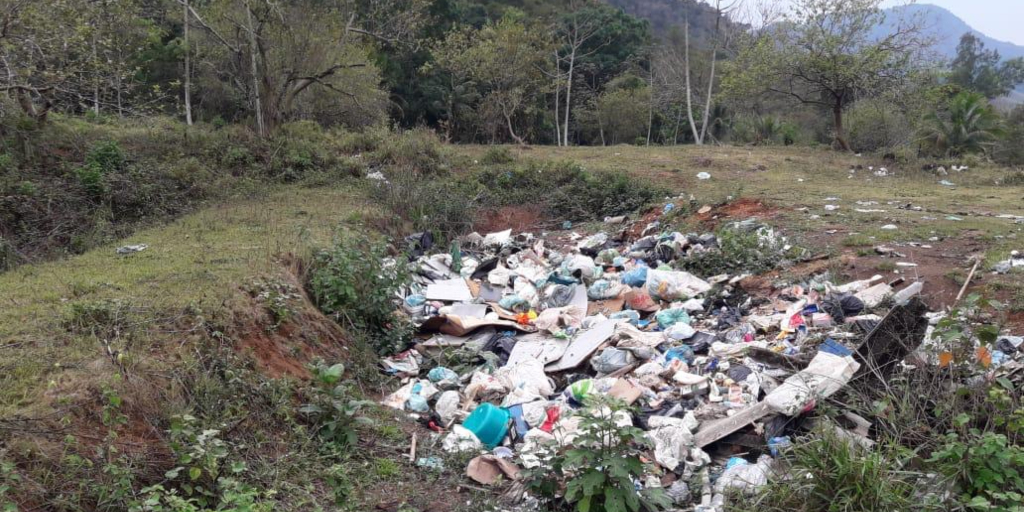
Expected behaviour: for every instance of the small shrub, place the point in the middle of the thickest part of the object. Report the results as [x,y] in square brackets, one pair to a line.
[831,473]
[739,250]
[355,284]
[986,467]
[599,470]
[103,319]
[8,478]
[364,141]
[332,408]
[419,150]
[103,159]
[497,155]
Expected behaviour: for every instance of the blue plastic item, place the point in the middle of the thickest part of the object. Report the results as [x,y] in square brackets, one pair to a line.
[668,317]
[632,316]
[636,277]
[517,419]
[777,444]
[683,353]
[736,461]
[831,346]
[489,423]
[415,300]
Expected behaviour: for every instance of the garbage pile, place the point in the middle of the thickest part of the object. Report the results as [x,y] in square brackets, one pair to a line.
[519,332]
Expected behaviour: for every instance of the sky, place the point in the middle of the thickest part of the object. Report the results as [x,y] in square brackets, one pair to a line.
[999,19]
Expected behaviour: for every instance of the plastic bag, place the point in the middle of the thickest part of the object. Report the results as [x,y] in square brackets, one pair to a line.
[826,374]
[745,477]
[672,285]
[612,359]
[672,440]
[603,289]
[668,317]
[447,407]
[636,277]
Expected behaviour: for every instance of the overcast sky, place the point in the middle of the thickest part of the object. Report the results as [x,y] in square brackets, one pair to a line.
[1000,19]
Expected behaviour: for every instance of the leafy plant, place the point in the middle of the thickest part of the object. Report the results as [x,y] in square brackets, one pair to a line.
[986,466]
[356,283]
[332,407]
[754,251]
[201,455]
[498,155]
[835,474]
[235,497]
[600,470]
[8,477]
[969,125]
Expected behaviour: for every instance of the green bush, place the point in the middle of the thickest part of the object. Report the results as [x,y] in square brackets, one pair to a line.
[876,125]
[739,250]
[568,191]
[600,469]
[419,150]
[332,408]
[968,124]
[832,473]
[987,468]
[355,283]
[497,155]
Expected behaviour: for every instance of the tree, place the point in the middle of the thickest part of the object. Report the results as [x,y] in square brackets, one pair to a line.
[969,125]
[828,56]
[982,71]
[282,56]
[575,30]
[61,54]
[506,60]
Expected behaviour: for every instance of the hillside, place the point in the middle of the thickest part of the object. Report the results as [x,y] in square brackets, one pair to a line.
[664,15]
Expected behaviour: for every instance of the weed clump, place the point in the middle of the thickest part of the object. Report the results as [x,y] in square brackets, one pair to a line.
[355,283]
[738,250]
[498,155]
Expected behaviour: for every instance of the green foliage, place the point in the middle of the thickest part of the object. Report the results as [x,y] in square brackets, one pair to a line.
[356,283]
[498,155]
[235,496]
[103,159]
[600,468]
[332,407]
[877,125]
[835,474]
[419,150]
[739,250]
[568,191]
[984,71]
[8,478]
[986,466]
[1009,150]
[967,125]
[201,457]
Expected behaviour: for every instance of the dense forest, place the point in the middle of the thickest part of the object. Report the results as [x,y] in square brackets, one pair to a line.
[567,72]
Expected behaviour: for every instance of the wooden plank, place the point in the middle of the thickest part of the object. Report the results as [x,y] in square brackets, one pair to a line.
[715,430]
[583,346]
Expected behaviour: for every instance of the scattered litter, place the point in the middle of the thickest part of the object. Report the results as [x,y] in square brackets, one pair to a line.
[535,329]
[703,176]
[890,227]
[131,249]
[947,183]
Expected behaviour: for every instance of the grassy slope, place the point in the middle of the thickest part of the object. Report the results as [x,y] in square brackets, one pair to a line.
[200,262]
[197,262]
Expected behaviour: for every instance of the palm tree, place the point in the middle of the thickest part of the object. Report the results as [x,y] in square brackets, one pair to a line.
[969,125]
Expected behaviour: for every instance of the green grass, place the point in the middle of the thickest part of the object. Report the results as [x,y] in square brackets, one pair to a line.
[192,268]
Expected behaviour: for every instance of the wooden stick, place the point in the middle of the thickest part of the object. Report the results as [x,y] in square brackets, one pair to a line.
[963,289]
[412,449]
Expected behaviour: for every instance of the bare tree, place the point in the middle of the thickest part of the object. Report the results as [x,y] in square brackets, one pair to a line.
[579,27]
[188,65]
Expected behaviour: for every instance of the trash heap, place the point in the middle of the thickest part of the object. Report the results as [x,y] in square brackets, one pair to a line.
[517,333]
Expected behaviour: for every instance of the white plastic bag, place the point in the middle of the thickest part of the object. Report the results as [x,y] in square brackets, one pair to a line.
[670,285]
[826,374]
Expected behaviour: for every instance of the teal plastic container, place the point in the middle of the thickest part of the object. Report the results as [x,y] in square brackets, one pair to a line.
[489,423]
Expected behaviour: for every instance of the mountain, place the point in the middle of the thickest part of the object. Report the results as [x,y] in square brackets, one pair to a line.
[947,28]
[667,15]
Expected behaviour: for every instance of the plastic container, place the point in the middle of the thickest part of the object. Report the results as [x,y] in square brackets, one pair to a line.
[489,423]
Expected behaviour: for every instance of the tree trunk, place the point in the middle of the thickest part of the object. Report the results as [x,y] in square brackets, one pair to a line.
[558,108]
[837,115]
[260,126]
[707,101]
[689,90]
[188,71]
[568,97]
[675,135]
[96,80]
